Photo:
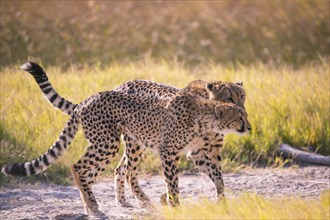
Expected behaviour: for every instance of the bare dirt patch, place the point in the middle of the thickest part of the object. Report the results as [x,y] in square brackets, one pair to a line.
[47,201]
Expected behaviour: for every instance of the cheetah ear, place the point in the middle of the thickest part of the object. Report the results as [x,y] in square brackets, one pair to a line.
[240,83]
[219,111]
[209,86]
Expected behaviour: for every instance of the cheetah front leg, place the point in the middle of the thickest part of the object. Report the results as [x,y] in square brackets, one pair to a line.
[206,166]
[215,147]
[169,165]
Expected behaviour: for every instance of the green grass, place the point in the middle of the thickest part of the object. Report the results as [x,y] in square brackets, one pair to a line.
[100,32]
[251,206]
[284,105]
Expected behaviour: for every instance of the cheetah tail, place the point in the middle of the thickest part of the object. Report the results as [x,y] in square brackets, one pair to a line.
[46,87]
[50,156]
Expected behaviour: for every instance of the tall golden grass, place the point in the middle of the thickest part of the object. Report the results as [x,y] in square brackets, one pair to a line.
[284,105]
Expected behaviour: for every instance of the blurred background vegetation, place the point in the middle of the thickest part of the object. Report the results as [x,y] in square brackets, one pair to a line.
[280,49]
[64,33]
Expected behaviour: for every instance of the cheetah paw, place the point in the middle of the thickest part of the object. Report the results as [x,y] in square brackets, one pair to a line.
[163,199]
[146,205]
[124,204]
[96,213]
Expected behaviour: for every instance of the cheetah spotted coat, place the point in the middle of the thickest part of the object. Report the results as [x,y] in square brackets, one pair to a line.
[182,124]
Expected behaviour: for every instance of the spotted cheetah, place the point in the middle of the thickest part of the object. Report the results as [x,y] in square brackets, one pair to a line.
[217,90]
[221,91]
[170,127]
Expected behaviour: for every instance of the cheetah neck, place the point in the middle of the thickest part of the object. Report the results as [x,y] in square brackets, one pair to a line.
[206,119]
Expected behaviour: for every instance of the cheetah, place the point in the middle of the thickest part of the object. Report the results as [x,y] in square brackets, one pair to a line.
[217,90]
[221,91]
[171,128]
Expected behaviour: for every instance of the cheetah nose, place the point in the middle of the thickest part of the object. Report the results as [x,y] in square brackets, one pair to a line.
[248,126]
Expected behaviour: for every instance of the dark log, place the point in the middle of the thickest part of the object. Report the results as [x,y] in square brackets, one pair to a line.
[289,152]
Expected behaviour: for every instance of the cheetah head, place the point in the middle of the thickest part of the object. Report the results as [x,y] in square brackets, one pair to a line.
[232,119]
[226,92]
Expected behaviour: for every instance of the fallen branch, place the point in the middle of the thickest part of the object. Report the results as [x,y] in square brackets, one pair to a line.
[289,152]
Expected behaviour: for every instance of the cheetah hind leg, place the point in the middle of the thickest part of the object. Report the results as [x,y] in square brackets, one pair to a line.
[120,172]
[87,197]
[85,171]
[133,156]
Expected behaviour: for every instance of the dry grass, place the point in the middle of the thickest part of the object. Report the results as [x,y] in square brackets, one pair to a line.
[251,206]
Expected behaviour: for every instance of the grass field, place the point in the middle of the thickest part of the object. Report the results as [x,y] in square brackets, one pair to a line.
[279,49]
[251,206]
[100,32]
[284,105]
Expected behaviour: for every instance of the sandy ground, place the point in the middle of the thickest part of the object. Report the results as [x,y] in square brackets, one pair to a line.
[47,201]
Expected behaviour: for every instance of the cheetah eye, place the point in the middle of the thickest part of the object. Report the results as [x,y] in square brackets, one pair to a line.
[229,100]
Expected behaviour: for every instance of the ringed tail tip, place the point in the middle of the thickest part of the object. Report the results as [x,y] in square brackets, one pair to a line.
[14,169]
[34,69]
[27,66]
